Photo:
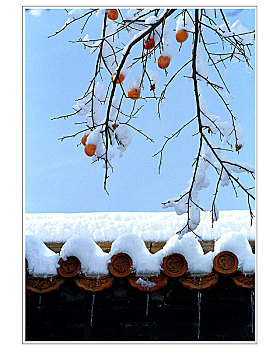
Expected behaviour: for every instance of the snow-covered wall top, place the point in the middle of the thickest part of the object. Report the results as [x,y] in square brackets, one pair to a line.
[153,227]
[94,262]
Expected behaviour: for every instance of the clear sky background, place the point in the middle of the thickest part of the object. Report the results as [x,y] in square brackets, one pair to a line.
[59,177]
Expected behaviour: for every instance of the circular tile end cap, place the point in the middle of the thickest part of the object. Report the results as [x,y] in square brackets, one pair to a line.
[69,267]
[225,263]
[174,265]
[120,265]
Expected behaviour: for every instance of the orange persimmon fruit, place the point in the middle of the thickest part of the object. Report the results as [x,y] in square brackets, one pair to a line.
[90,150]
[120,79]
[149,44]
[181,36]
[84,139]
[112,14]
[163,62]
[238,147]
[134,94]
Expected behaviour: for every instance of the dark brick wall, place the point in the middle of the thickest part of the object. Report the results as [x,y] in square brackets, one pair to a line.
[119,314]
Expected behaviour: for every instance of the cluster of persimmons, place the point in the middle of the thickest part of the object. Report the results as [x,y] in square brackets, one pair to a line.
[134,94]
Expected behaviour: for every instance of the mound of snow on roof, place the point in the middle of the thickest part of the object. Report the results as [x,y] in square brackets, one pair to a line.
[144,263]
[42,262]
[94,262]
[237,244]
[153,227]
[190,248]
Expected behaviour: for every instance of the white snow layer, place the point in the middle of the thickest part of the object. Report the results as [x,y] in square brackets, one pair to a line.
[93,260]
[190,248]
[128,232]
[153,227]
[42,262]
[237,243]
[143,262]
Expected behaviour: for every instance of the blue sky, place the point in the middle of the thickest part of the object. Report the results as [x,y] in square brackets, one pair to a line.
[58,175]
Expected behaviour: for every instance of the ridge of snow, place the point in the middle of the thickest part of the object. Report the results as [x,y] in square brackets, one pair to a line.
[190,248]
[42,262]
[152,226]
[93,260]
[237,243]
[143,262]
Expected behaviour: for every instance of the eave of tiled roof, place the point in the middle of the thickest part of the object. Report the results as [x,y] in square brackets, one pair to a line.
[174,266]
